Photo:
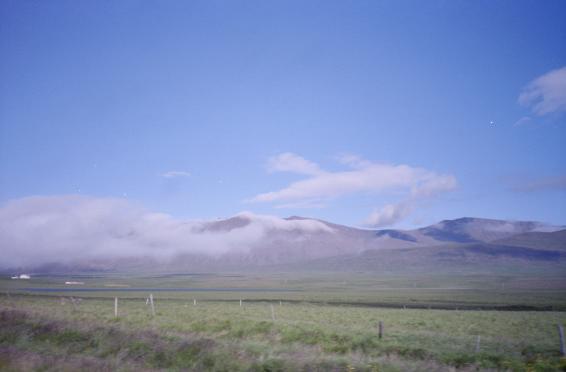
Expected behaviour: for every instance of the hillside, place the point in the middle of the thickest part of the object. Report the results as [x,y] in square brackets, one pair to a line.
[316,244]
[538,240]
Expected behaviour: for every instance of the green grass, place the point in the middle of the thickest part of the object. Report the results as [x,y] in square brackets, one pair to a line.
[329,324]
[224,336]
[545,291]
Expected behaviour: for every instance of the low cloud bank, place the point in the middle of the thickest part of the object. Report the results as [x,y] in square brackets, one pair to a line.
[44,229]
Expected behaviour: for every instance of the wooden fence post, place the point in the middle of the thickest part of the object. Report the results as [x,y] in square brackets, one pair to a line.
[380,329]
[115,307]
[194,302]
[562,346]
[272,313]
[478,340]
[240,302]
[73,301]
[152,305]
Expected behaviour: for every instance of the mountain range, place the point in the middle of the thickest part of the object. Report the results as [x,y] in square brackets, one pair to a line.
[311,244]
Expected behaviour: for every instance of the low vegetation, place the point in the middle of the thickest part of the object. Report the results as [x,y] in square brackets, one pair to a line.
[55,333]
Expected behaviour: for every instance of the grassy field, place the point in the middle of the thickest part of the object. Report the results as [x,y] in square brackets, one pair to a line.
[322,325]
[537,292]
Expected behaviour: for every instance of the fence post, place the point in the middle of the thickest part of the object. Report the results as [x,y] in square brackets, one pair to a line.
[240,302]
[152,305]
[380,329]
[272,313]
[194,302]
[115,307]
[74,303]
[562,346]
[478,340]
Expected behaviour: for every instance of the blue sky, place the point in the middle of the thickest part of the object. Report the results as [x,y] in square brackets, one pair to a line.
[367,113]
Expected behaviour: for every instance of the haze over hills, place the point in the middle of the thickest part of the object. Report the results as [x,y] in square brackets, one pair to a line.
[299,242]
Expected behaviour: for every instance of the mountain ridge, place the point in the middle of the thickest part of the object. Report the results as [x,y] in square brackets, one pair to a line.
[299,241]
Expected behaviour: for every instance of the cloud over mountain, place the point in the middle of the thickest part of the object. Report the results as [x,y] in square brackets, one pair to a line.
[41,229]
[389,214]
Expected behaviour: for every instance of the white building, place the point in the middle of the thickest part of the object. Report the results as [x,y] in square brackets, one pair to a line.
[22,276]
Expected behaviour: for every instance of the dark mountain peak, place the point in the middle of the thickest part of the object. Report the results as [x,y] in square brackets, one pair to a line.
[228,224]
[469,220]
[448,232]
[329,224]
[396,234]
[297,218]
[490,222]
[463,220]
[471,229]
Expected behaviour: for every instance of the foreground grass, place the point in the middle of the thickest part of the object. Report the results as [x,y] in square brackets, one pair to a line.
[39,332]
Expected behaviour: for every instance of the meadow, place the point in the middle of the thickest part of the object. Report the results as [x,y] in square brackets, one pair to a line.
[308,324]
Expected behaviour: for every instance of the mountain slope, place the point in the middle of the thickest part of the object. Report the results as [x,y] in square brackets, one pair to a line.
[468,230]
[450,258]
[465,243]
[256,241]
[539,240]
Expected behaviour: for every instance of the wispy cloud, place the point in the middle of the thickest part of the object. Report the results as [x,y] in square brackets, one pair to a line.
[175,174]
[289,162]
[522,121]
[366,177]
[547,93]
[362,176]
[542,184]
[306,204]
[389,214]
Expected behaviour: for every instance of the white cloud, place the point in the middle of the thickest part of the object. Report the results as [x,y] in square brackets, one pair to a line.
[38,230]
[289,162]
[433,185]
[362,176]
[553,183]
[389,214]
[547,93]
[305,204]
[522,121]
[275,223]
[353,161]
[366,177]
[175,174]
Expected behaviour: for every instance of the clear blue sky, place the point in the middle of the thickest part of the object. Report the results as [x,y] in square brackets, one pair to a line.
[104,98]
